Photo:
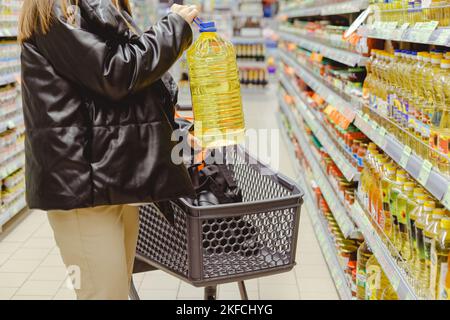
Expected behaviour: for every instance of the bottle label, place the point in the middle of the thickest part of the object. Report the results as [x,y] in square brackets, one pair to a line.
[443,287]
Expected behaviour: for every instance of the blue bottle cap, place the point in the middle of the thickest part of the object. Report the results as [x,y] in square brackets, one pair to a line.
[208,27]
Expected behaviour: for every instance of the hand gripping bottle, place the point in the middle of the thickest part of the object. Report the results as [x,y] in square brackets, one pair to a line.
[215,89]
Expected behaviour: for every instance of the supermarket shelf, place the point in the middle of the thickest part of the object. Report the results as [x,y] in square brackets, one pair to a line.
[8,33]
[8,79]
[317,84]
[326,244]
[433,180]
[325,10]
[440,36]
[337,207]
[10,166]
[9,213]
[395,274]
[350,172]
[252,64]
[248,14]
[247,40]
[343,56]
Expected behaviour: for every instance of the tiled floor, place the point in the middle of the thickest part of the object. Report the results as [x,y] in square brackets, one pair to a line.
[31,267]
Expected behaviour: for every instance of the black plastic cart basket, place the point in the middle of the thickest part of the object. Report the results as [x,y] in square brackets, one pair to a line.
[211,245]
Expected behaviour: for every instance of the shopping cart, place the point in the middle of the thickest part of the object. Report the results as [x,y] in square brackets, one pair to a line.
[212,245]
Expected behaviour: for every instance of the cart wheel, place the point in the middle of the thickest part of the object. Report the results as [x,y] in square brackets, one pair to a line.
[243,290]
[133,292]
[211,293]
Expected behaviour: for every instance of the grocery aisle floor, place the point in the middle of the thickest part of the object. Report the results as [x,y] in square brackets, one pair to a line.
[31,266]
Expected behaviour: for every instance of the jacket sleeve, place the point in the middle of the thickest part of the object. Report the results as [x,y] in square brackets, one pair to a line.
[114,67]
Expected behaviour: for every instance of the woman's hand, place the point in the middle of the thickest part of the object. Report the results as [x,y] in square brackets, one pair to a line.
[189,13]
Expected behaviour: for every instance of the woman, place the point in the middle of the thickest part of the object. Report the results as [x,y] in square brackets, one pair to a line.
[98,106]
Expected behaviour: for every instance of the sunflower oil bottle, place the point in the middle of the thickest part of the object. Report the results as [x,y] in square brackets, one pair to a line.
[429,103]
[441,121]
[430,231]
[387,182]
[421,197]
[439,106]
[215,89]
[440,250]
[389,293]
[405,202]
[394,192]
[425,68]
[363,254]
[422,218]
[376,279]
[376,192]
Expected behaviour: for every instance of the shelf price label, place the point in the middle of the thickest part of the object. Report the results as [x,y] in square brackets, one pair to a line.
[446,199]
[425,171]
[405,156]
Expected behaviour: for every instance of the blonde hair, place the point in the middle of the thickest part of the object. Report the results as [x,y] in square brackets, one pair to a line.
[37,15]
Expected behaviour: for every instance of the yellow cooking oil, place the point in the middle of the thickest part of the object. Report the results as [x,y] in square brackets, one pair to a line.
[429,232]
[440,251]
[376,279]
[421,99]
[439,105]
[405,203]
[420,198]
[215,90]
[429,103]
[363,254]
[387,181]
[423,216]
[441,120]
[394,192]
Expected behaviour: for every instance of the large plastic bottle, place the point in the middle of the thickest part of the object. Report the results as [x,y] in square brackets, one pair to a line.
[440,250]
[215,90]
[363,254]
[421,220]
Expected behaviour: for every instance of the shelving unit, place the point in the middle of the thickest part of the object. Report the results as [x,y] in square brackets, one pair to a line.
[318,85]
[326,245]
[310,32]
[309,43]
[11,123]
[350,172]
[337,207]
[404,33]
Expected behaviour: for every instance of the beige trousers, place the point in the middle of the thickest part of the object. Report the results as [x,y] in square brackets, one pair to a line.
[98,246]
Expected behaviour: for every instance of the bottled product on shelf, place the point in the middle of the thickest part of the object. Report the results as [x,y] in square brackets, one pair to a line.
[412,12]
[408,93]
[440,254]
[216,100]
[250,52]
[9,17]
[253,77]
[407,215]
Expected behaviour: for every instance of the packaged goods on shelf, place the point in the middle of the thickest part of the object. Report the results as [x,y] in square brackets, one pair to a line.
[252,52]
[247,26]
[9,17]
[407,215]
[253,77]
[345,79]
[407,94]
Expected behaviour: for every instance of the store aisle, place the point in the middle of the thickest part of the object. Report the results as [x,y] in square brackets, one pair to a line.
[31,266]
